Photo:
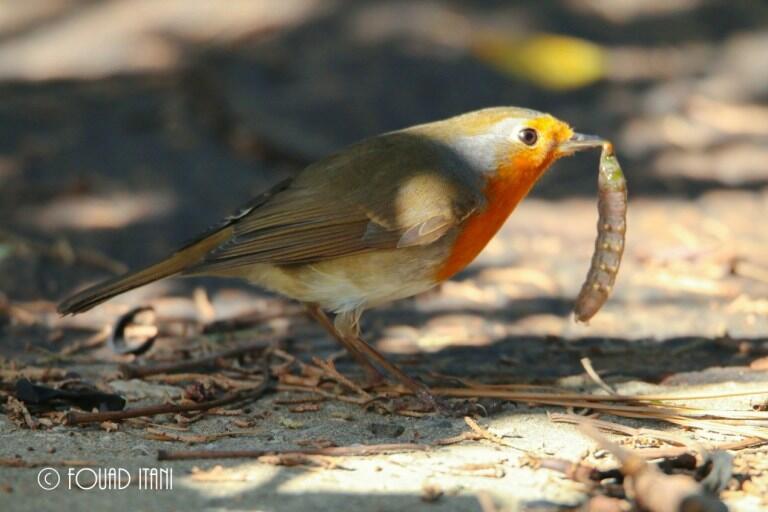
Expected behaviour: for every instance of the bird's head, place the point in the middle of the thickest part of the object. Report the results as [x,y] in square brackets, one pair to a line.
[512,142]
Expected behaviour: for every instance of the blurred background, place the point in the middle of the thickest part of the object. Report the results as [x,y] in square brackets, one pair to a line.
[127,126]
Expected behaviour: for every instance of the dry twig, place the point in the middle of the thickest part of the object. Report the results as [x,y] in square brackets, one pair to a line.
[587,364]
[163,435]
[485,434]
[331,451]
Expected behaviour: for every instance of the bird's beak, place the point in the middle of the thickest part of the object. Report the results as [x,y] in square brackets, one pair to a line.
[580,142]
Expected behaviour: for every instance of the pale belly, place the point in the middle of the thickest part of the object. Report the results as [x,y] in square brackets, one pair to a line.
[356,282]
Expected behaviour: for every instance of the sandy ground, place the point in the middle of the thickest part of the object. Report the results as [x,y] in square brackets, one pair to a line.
[211,113]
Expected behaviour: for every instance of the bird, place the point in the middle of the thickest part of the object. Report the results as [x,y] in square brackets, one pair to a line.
[383,219]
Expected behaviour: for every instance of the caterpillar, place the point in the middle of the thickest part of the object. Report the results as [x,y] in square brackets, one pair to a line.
[609,244]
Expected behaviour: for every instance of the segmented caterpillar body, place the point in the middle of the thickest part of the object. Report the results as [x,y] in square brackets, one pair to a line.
[609,244]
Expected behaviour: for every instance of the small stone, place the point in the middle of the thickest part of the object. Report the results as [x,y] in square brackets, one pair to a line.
[431,492]
[290,423]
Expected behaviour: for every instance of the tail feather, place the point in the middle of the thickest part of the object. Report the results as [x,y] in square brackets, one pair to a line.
[176,264]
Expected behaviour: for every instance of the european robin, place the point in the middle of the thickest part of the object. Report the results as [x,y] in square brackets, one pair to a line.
[383,219]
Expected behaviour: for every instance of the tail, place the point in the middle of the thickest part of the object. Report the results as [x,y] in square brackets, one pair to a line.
[175,264]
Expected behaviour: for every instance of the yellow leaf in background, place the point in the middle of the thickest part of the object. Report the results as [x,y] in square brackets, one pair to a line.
[551,61]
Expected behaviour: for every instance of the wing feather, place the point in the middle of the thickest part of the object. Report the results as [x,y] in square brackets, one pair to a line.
[371,196]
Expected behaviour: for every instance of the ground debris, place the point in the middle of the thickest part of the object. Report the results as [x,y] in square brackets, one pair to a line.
[654,490]
[19,414]
[32,373]
[76,393]
[308,407]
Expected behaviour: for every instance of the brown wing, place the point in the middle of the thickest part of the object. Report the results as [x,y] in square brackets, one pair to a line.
[397,190]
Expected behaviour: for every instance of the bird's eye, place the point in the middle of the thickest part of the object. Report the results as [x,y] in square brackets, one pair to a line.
[528,136]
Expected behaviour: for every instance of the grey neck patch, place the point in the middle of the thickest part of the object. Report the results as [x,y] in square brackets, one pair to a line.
[484,150]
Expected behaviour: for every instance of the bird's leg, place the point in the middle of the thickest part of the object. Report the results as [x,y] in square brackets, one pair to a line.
[373,375]
[347,326]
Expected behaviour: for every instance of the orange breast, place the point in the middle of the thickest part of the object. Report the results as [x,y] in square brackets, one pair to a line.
[503,192]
